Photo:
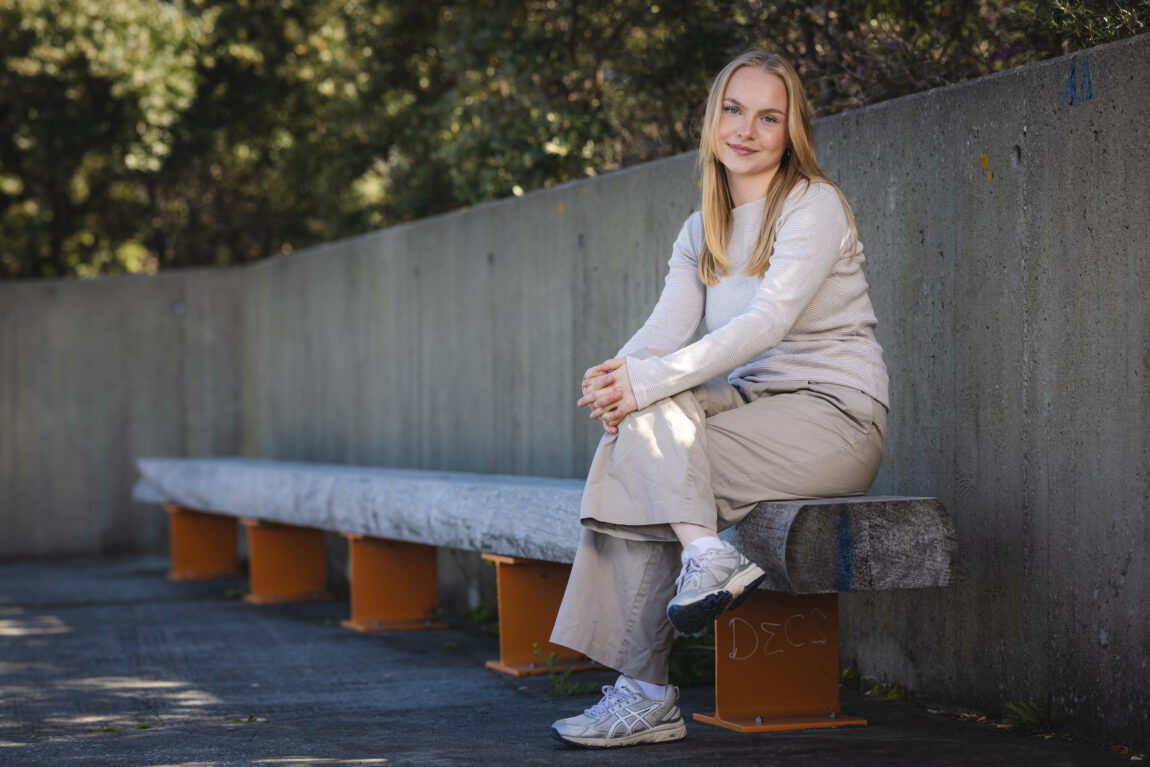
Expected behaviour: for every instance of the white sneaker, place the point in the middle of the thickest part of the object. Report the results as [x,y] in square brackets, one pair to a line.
[717,580]
[624,717]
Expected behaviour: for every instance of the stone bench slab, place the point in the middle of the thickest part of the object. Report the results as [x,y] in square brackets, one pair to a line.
[532,517]
[864,543]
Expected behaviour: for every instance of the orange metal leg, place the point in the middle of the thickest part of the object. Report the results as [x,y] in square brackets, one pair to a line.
[203,545]
[286,563]
[529,595]
[777,665]
[394,585]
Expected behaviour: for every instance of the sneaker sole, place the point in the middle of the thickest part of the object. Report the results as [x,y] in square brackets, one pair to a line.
[672,732]
[693,617]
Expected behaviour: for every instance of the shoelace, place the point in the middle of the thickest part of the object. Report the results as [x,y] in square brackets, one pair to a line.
[612,697]
[690,567]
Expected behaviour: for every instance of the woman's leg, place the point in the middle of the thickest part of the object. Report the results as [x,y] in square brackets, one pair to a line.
[656,471]
[614,609]
[818,441]
[614,612]
[703,457]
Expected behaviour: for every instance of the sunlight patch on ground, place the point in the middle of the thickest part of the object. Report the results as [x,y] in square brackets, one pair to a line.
[21,692]
[178,694]
[127,684]
[309,760]
[34,626]
[291,761]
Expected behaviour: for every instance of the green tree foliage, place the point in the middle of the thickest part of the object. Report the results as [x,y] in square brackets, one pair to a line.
[142,134]
[91,94]
[1091,22]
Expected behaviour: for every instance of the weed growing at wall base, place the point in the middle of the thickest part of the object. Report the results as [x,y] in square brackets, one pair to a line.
[561,683]
[1030,716]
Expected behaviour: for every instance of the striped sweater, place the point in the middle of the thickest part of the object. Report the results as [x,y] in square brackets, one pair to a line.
[808,319]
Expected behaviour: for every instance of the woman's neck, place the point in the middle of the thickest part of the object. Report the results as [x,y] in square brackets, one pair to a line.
[744,190]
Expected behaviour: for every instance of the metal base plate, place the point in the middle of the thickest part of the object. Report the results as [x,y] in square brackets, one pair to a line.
[368,626]
[276,599]
[187,577]
[784,723]
[535,669]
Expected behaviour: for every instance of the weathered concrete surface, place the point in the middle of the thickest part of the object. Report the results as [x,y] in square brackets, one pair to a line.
[1012,310]
[534,517]
[457,343]
[94,374]
[110,644]
[872,543]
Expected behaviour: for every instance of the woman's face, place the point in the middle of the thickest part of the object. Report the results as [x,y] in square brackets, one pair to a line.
[752,131]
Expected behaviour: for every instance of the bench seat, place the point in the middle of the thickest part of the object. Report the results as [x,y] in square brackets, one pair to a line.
[514,516]
[806,546]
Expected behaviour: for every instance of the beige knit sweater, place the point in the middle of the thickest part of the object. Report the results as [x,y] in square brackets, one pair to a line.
[808,319]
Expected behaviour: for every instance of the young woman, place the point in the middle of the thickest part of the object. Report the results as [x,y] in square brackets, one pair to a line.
[784,397]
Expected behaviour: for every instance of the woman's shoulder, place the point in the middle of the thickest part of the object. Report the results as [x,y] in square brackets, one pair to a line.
[813,192]
[691,235]
[694,223]
[814,199]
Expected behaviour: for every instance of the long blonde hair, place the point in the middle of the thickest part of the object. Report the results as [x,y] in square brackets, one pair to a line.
[797,165]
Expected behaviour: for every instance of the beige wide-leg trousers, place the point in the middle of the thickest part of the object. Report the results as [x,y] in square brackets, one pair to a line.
[705,456]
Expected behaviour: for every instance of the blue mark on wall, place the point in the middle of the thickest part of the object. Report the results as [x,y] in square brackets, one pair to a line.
[846,553]
[1076,94]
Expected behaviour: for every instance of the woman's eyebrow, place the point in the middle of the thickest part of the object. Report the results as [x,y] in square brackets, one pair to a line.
[761,111]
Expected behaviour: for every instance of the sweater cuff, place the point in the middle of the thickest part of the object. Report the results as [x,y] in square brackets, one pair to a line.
[639,373]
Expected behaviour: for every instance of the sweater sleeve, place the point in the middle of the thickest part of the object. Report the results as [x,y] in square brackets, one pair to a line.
[680,306]
[811,234]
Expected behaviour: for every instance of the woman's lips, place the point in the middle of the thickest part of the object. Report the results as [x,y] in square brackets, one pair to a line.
[741,150]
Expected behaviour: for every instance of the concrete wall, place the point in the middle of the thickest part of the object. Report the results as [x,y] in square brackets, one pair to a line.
[93,374]
[1016,322]
[453,343]
[1012,308]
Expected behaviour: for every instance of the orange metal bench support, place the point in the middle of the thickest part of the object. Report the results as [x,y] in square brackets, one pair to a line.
[777,665]
[530,591]
[394,585]
[286,563]
[203,545]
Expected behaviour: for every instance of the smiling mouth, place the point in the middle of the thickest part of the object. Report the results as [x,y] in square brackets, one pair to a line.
[741,150]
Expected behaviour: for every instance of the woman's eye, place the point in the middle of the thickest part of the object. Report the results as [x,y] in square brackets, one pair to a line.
[732,110]
[768,119]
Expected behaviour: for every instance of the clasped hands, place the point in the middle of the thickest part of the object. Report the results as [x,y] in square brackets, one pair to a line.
[607,392]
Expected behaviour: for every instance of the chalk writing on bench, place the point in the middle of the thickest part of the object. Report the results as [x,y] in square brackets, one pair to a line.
[798,630]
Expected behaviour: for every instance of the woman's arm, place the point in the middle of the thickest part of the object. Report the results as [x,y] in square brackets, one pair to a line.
[680,306]
[606,388]
[811,235]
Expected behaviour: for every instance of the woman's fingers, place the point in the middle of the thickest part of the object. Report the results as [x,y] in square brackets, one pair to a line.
[599,398]
[604,409]
[595,389]
[603,395]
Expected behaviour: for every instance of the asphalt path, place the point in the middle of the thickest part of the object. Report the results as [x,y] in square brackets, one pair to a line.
[104,662]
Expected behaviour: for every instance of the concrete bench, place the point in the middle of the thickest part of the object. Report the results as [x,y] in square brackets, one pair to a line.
[776,656]
[394,519]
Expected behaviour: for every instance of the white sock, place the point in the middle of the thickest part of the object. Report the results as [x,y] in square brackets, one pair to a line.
[652,691]
[701,546]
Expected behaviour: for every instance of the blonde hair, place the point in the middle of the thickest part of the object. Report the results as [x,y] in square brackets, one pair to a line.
[797,165]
